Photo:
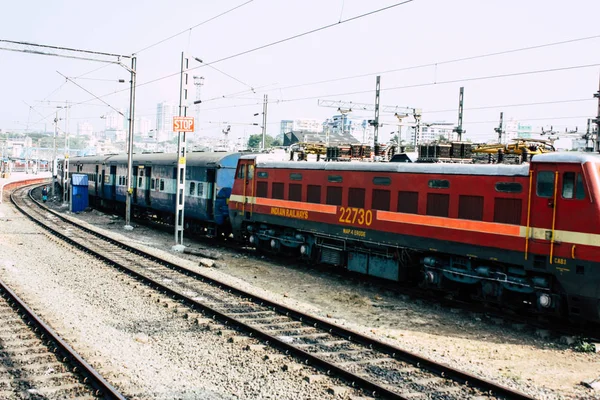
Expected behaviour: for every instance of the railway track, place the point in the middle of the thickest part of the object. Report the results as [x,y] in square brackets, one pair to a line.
[36,363]
[377,368]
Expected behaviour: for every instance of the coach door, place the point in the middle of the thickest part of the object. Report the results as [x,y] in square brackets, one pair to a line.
[96,181]
[246,172]
[147,185]
[543,211]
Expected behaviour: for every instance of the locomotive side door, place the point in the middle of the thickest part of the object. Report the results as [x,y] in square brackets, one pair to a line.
[543,212]
[246,172]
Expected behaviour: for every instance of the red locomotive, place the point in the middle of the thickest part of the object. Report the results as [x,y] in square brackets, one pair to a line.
[520,235]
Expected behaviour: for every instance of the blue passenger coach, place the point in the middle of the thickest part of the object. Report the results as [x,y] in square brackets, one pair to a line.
[209,178]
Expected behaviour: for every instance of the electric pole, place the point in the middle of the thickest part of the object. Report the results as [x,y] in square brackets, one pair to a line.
[264,121]
[459,129]
[499,128]
[66,162]
[181,153]
[133,73]
[376,120]
[597,121]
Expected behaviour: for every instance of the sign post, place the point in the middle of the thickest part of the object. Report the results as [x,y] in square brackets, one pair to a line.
[181,124]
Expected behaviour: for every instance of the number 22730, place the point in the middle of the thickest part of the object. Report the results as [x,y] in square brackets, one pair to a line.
[351,215]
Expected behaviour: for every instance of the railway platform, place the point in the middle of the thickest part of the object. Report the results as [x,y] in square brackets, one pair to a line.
[22,177]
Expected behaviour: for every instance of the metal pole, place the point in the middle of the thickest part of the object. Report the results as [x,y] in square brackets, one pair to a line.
[130,145]
[459,129]
[376,122]
[181,153]
[597,121]
[499,128]
[264,121]
[66,162]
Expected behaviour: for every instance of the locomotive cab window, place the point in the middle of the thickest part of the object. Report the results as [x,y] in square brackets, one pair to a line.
[241,169]
[572,186]
[545,184]
[250,171]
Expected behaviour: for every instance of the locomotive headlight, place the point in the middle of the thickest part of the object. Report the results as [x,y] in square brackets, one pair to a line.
[545,300]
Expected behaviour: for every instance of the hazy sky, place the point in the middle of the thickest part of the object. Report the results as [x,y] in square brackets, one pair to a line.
[419,32]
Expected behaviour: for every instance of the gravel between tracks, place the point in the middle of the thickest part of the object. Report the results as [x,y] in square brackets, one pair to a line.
[144,349]
[543,368]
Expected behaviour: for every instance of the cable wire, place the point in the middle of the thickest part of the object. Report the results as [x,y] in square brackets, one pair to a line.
[195,26]
[419,66]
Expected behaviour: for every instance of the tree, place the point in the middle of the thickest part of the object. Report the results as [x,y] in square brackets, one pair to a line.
[255,141]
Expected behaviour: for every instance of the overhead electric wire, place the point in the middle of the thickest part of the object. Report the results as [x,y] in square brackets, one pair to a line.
[447,82]
[81,87]
[194,27]
[419,66]
[270,44]
[539,103]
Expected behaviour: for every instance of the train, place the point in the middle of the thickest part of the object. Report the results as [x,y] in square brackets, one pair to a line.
[525,237]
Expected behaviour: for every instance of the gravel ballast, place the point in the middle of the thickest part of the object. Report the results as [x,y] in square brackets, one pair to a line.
[145,349]
[491,349]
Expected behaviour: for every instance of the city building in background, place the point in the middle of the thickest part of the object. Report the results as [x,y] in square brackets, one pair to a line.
[164,121]
[85,129]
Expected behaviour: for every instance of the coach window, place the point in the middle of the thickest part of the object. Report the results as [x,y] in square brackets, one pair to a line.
[158,183]
[334,195]
[277,190]
[192,188]
[356,197]
[381,200]
[162,185]
[140,179]
[313,194]
[200,189]
[545,183]
[152,185]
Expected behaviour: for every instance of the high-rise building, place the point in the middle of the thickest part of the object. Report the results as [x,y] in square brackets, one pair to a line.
[84,129]
[286,126]
[307,125]
[114,120]
[142,126]
[164,120]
